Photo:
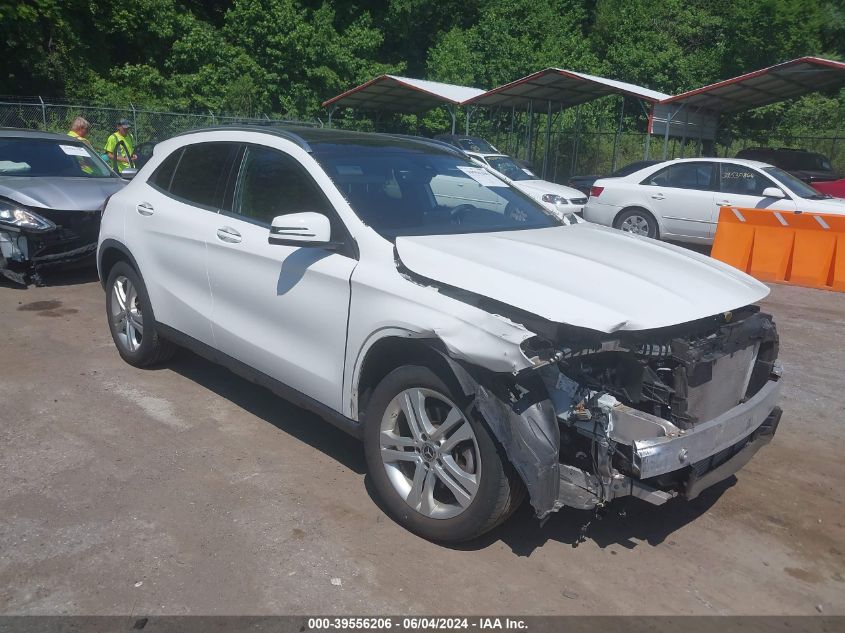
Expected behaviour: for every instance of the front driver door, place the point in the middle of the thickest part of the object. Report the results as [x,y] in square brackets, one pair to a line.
[280,309]
[742,186]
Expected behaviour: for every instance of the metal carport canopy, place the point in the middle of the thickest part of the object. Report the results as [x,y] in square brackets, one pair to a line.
[563,87]
[784,81]
[402,94]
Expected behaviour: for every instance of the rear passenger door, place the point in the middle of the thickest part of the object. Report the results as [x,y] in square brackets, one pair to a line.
[280,309]
[167,231]
[682,194]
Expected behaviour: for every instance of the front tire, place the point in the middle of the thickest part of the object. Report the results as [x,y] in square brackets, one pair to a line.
[131,322]
[436,468]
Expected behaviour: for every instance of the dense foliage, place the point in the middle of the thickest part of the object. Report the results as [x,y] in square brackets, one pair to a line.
[286,56]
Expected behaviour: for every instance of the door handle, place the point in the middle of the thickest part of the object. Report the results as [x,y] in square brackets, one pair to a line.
[723,203]
[145,208]
[228,234]
[658,196]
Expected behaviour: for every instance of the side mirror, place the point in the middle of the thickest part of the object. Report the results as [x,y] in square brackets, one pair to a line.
[301,229]
[773,192]
[129,174]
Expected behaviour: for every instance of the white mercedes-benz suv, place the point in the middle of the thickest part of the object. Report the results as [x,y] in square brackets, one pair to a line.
[481,352]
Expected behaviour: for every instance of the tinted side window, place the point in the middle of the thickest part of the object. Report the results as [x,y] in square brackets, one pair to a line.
[659,178]
[743,181]
[164,173]
[699,176]
[200,178]
[272,183]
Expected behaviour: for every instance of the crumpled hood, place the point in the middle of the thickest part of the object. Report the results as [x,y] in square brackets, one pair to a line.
[536,188]
[584,275]
[66,194]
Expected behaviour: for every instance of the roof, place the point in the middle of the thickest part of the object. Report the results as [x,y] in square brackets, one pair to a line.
[784,81]
[11,132]
[561,87]
[311,138]
[403,94]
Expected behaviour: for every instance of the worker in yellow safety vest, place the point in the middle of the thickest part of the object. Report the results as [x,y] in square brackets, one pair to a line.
[120,147]
[79,129]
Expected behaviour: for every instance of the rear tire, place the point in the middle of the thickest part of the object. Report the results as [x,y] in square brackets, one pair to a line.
[131,322]
[637,221]
[440,474]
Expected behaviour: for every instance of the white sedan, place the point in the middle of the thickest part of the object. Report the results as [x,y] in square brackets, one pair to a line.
[680,199]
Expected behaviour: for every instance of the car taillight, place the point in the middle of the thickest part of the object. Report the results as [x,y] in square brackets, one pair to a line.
[595,192]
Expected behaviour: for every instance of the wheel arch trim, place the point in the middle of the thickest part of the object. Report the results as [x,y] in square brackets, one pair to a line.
[112,244]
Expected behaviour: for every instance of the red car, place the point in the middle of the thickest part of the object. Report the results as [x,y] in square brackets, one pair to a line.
[835,188]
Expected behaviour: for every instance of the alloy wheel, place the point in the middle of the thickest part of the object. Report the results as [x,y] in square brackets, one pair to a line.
[126,316]
[430,453]
[636,224]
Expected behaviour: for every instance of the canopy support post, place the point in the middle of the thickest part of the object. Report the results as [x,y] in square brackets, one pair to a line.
[548,140]
[647,111]
[331,113]
[574,163]
[616,136]
[470,110]
[669,119]
[451,110]
[529,128]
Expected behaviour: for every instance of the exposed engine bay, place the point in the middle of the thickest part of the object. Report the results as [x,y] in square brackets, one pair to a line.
[651,414]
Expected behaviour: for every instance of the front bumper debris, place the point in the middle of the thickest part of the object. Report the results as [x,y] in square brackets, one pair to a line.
[655,415]
[660,455]
[24,254]
[674,461]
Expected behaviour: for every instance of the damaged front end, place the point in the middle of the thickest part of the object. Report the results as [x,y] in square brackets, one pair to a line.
[30,242]
[651,414]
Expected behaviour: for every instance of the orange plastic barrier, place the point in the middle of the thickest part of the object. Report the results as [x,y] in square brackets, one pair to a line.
[805,249]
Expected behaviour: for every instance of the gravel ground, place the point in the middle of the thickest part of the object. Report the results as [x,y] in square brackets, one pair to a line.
[187,490]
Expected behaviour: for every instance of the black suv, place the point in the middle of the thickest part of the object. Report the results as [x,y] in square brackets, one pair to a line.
[808,166]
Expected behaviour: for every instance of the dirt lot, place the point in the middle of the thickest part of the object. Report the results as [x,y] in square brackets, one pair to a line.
[186,490]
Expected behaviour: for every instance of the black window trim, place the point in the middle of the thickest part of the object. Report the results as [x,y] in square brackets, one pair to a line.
[191,203]
[151,180]
[715,187]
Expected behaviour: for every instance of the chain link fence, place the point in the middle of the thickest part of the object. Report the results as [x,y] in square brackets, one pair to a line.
[147,125]
[587,152]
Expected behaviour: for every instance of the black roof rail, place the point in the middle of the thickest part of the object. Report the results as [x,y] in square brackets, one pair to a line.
[434,142]
[275,131]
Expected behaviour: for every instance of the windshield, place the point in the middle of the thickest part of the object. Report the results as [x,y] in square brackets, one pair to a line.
[473,144]
[44,158]
[411,190]
[509,167]
[798,187]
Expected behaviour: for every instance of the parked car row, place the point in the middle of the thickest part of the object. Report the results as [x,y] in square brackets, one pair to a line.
[436,300]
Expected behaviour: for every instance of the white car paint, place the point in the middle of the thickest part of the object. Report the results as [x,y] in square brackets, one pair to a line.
[690,214]
[553,273]
[308,316]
